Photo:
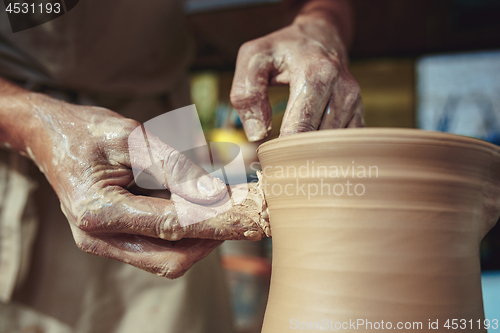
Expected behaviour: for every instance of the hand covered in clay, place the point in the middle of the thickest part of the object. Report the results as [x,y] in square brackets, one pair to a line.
[84,153]
[311,58]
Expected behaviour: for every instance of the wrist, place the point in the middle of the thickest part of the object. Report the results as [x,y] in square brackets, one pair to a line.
[325,33]
[17,124]
[334,15]
[23,119]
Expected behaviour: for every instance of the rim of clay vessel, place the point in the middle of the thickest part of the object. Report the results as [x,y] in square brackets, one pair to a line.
[381,134]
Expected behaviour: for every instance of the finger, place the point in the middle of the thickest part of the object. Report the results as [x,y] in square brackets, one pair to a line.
[115,210]
[172,169]
[309,94]
[344,102]
[161,257]
[358,118]
[249,90]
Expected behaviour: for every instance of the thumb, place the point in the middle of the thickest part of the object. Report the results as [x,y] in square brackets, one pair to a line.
[172,169]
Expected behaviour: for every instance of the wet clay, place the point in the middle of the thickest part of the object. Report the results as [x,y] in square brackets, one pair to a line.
[244,216]
[377,226]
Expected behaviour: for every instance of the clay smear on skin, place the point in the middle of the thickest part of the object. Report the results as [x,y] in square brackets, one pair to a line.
[110,206]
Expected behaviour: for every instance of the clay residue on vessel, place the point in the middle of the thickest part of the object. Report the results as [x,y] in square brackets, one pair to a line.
[264,221]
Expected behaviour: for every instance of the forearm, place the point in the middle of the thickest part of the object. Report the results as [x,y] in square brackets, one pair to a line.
[337,13]
[21,117]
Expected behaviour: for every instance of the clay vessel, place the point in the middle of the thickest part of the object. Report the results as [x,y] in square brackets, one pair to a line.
[396,240]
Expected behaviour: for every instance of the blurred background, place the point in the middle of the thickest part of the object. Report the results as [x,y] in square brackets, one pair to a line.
[430,64]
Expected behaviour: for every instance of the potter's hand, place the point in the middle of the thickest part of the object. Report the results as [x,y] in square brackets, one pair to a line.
[310,56]
[83,151]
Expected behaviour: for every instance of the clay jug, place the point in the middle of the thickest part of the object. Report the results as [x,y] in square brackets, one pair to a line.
[378,229]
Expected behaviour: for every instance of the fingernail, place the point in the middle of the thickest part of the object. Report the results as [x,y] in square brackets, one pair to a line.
[254,129]
[211,187]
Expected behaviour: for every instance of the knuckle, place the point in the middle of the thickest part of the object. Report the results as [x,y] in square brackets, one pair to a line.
[299,128]
[354,88]
[304,128]
[95,218]
[174,161]
[130,125]
[351,85]
[175,234]
[327,66]
[243,101]
[86,245]
[135,135]
[353,97]
[322,74]
[237,96]
[136,143]
[169,228]
[359,107]
[170,270]
[249,47]
[88,222]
